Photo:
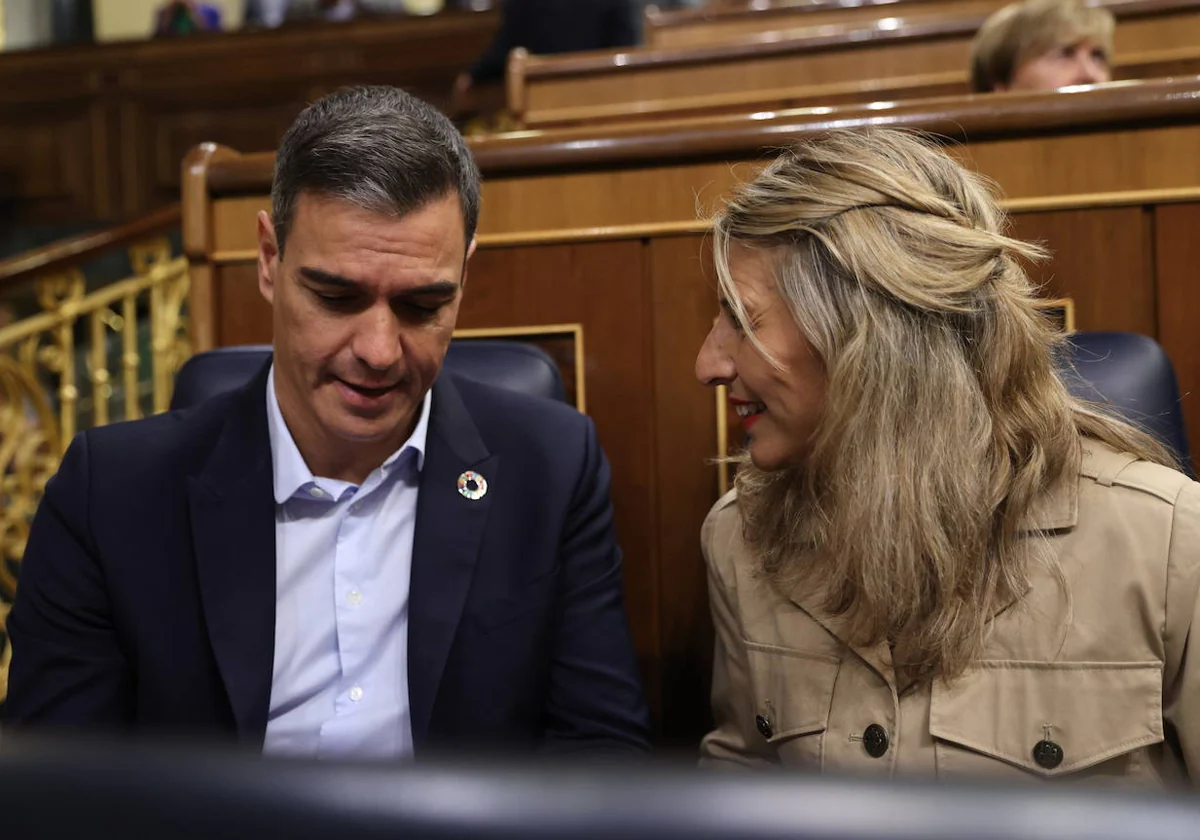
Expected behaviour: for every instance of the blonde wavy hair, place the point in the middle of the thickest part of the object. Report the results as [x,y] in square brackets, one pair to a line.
[944,420]
[1025,30]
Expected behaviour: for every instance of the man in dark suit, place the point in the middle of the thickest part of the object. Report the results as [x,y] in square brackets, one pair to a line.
[343,558]
[552,26]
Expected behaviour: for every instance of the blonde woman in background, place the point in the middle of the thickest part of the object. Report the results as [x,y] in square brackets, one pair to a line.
[935,560]
[1043,45]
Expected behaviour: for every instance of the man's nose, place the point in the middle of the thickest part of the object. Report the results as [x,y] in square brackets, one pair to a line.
[377,339]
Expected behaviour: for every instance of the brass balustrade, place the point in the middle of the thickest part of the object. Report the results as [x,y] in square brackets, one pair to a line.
[45,399]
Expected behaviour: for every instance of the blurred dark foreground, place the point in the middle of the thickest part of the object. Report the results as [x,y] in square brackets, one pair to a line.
[94,790]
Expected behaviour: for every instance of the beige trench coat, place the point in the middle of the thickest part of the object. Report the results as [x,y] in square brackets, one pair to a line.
[1114,694]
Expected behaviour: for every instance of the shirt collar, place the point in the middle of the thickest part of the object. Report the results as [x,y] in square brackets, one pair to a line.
[291,473]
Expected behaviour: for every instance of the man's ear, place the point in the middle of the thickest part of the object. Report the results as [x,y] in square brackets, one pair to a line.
[470,253]
[268,256]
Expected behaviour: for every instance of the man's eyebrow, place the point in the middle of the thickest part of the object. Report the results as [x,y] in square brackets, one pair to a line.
[326,278]
[443,288]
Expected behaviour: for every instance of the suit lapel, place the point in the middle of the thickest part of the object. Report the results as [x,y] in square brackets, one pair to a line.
[233,535]
[446,545]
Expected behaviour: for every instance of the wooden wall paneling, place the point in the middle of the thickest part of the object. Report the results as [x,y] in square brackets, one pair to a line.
[234,226]
[574,201]
[49,172]
[96,132]
[243,317]
[1102,258]
[684,304]
[1133,157]
[166,128]
[1164,31]
[1177,256]
[602,286]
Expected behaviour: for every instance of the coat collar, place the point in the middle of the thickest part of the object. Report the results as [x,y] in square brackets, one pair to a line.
[1056,510]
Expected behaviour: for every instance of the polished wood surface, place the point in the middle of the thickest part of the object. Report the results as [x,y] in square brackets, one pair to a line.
[1107,179]
[764,102]
[97,132]
[77,250]
[821,65]
[1177,253]
[720,22]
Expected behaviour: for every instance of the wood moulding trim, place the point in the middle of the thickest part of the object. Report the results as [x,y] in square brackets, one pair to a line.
[574,330]
[701,226]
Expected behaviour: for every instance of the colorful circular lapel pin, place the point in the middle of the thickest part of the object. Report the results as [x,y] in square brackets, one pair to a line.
[472,485]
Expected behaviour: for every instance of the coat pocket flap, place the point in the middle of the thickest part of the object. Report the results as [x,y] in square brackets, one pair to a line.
[1089,712]
[793,690]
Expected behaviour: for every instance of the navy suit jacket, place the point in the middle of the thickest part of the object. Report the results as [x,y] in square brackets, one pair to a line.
[558,26]
[147,593]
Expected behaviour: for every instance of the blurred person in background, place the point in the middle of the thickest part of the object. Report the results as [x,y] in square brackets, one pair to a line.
[272,13]
[1043,45]
[936,561]
[186,17]
[547,27]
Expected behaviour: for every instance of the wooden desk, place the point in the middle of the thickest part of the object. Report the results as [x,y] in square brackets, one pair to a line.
[823,66]
[721,22]
[600,228]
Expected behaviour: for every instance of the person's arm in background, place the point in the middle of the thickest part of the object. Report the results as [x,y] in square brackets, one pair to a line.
[490,66]
[625,23]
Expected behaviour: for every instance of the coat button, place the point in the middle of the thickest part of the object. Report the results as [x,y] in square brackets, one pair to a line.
[1047,754]
[764,726]
[875,740]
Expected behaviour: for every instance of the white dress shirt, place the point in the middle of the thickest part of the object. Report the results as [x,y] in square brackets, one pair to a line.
[343,558]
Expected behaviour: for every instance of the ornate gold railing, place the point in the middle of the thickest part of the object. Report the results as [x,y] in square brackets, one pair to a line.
[86,359]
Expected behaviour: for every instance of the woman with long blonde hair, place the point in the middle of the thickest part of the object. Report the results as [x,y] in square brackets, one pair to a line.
[935,560]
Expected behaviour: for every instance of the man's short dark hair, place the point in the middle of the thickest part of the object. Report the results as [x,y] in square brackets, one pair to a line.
[375,147]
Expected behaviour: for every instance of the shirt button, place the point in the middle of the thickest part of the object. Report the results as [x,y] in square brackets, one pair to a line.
[317,493]
[356,693]
[355,598]
[356,507]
